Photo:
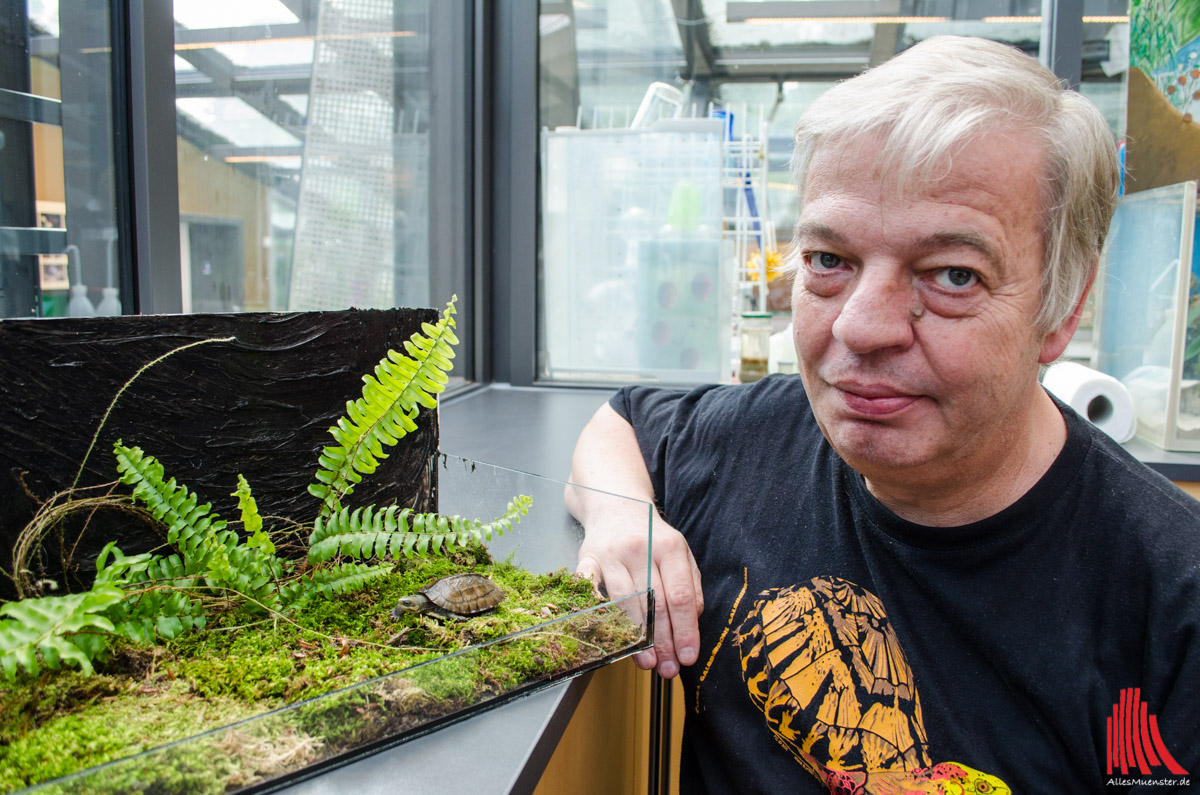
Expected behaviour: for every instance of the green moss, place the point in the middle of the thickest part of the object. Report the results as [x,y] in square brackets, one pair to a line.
[451,678]
[137,718]
[244,676]
[241,665]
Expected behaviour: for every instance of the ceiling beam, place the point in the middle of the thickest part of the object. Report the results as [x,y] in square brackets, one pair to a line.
[695,37]
[305,10]
[194,38]
[261,98]
[203,87]
[736,11]
[738,65]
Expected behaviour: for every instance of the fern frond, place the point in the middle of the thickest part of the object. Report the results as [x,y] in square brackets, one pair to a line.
[163,609]
[363,534]
[123,570]
[55,627]
[347,577]
[211,553]
[160,612]
[252,522]
[188,524]
[386,412]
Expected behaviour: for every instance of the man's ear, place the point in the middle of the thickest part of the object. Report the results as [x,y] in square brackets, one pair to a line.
[1054,343]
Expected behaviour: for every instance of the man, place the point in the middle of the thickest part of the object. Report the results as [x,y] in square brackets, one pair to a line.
[909,569]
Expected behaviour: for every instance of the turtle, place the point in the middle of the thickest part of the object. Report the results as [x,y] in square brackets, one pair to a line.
[823,663]
[458,596]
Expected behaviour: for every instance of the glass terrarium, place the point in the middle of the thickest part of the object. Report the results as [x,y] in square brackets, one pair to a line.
[300,739]
[219,574]
[1149,316]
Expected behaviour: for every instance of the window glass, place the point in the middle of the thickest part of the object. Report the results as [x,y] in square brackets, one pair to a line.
[622,207]
[311,134]
[304,155]
[618,65]
[1106,60]
[61,242]
[598,58]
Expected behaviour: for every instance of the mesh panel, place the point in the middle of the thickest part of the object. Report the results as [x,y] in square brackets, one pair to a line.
[361,224]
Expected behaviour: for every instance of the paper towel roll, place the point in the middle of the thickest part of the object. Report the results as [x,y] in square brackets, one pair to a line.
[1099,398]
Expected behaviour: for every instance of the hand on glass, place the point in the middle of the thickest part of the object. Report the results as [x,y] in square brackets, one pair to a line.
[614,556]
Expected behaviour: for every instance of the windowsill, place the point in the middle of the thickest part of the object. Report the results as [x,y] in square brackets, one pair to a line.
[1180,467]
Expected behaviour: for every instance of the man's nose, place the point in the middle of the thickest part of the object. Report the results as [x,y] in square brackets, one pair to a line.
[877,314]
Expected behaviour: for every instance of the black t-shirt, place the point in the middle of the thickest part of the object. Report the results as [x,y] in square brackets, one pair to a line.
[1036,650]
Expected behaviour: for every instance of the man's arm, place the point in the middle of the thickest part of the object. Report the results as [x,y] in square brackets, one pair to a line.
[607,457]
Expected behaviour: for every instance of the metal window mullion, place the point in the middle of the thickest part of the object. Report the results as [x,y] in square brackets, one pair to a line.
[19,283]
[514,169]
[450,184]
[153,155]
[480,276]
[1062,39]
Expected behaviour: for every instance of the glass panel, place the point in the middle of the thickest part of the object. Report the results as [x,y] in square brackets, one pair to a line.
[58,218]
[603,61]
[304,155]
[598,58]
[1140,329]
[1106,59]
[777,105]
[556,643]
[632,251]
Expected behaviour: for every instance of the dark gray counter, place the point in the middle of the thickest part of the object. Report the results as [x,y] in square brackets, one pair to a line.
[1175,466]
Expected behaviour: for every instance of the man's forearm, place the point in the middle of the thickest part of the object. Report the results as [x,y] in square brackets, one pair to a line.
[616,545]
[607,458]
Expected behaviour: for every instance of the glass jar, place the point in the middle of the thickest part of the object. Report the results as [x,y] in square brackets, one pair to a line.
[756,346]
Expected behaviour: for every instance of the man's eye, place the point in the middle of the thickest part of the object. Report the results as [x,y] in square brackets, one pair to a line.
[823,260]
[956,278]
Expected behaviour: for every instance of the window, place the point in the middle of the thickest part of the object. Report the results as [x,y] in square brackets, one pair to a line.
[321,157]
[610,68]
[304,136]
[63,235]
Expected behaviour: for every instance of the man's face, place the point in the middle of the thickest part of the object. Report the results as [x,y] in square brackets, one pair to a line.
[914,316]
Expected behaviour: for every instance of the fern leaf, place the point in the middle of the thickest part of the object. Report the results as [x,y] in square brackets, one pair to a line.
[295,593]
[386,412]
[51,626]
[171,503]
[123,570]
[347,577]
[252,522]
[211,552]
[362,535]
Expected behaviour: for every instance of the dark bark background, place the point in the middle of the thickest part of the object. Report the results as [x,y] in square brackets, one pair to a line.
[260,405]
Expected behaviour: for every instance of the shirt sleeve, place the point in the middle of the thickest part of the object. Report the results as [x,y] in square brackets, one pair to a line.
[659,417]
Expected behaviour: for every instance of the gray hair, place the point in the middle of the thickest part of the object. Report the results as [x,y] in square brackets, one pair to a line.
[929,100]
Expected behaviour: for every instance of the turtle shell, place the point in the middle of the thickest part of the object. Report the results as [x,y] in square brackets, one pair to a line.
[464,594]
[822,662]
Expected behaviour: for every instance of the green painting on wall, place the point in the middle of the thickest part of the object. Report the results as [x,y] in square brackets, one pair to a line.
[1163,144]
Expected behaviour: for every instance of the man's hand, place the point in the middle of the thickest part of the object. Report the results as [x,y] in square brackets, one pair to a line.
[614,555]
